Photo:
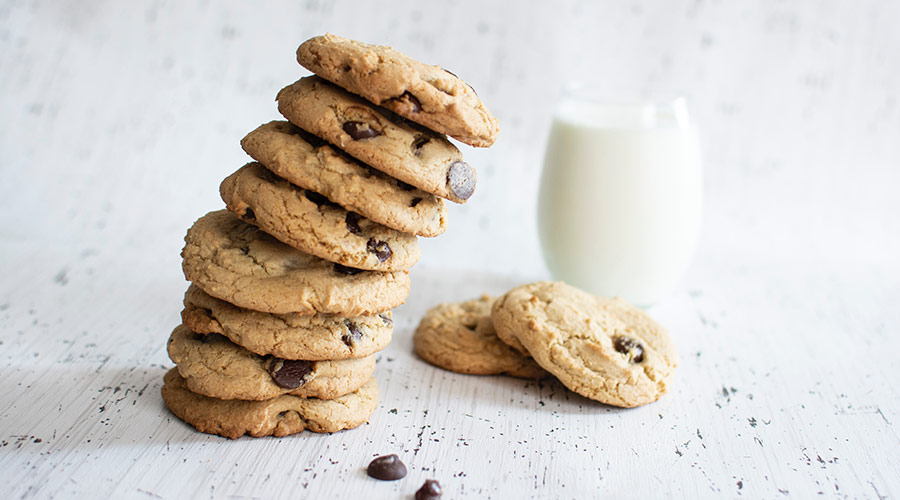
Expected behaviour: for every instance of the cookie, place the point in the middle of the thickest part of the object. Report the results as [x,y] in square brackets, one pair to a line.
[214,366]
[289,336]
[428,95]
[307,161]
[280,416]
[603,349]
[308,221]
[236,262]
[460,337]
[378,138]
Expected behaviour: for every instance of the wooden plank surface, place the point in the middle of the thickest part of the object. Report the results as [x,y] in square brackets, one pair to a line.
[118,120]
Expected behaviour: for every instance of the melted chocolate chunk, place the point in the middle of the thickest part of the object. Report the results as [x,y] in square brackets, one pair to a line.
[248,215]
[380,248]
[629,347]
[359,130]
[339,268]
[387,468]
[411,100]
[461,180]
[420,141]
[354,333]
[352,221]
[387,320]
[415,201]
[289,373]
[430,490]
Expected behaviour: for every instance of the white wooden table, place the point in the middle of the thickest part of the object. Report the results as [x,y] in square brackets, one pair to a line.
[118,120]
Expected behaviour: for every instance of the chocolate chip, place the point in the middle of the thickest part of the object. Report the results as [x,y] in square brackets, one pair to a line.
[461,180]
[352,221]
[248,215]
[245,250]
[415,201]
[630,347]
[430,490]
[380,248]
[404,186]
[387,320]
[359,130]
[410,100]
[354,335]
[338,268]
[289,373]
[420,141]
[318,199]
[387,468]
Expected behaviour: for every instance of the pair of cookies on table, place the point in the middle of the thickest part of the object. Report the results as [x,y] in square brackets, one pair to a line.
[292,286]
[604,349]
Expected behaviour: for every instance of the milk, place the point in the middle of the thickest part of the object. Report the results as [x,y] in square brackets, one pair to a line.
[620,197]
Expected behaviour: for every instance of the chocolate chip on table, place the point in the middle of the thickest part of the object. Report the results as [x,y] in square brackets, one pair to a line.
[352,221]
[289,373]
[386,468]
[387,320]
[629,347]
[354,335]
[380,248]
[359,130]
[415,201]
[339,268]
[461,179]
[430,490]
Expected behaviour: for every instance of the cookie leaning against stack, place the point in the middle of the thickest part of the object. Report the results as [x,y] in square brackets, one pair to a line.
[293,285]
[604,349]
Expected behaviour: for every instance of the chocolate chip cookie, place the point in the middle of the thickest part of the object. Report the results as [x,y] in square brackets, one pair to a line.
[214,366]
[603,349]
[460,337]
[280,416]
[309,162]
[379,138]
[289,336]
[236,262]
[428,95]
[308,221]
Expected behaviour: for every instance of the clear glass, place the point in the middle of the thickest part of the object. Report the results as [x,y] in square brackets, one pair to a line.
[621,192]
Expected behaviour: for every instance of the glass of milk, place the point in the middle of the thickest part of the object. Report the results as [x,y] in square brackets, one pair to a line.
[620,196]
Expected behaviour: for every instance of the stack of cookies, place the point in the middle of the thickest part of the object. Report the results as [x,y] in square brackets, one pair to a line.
[292,286]
[604,349]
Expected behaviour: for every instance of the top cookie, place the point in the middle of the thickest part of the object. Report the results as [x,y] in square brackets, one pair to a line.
[428,95]
[603,349]
[236,262]
[311,163]
[460,337]
[379,138]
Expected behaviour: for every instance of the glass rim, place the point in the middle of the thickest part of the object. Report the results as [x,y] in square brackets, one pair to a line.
[619,95]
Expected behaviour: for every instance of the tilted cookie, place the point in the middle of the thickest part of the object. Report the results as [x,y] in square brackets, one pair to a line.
[428,95]
[460,337]
[603,349]
[309,162]
[289,336]
[378,138]
[308,221]
[280,416]
[216,367]
[236,262]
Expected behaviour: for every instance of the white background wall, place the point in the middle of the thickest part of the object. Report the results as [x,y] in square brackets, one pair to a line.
[119,119]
